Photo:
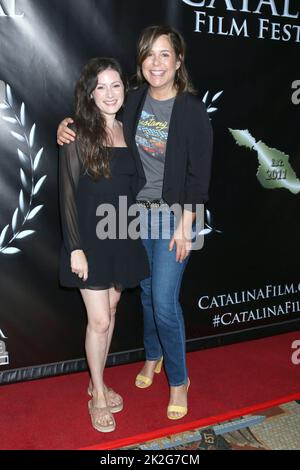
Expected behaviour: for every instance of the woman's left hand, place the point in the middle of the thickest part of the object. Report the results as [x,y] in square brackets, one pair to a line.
[182,240]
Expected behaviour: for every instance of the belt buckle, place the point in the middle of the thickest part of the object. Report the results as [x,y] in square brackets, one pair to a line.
[150,204]
[155,203]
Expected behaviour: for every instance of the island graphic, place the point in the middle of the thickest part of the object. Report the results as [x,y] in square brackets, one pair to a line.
[274,169]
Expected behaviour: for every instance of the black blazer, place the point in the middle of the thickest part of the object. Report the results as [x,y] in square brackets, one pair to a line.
[188,151]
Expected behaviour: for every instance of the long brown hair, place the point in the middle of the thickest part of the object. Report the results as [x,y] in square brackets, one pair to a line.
[91,132]
[145,43]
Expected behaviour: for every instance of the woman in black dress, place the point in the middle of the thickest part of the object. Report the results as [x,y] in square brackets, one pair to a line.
[97,170]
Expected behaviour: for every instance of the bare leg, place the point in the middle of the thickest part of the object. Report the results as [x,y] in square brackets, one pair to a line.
[114,297]
[113,398]
[98,313]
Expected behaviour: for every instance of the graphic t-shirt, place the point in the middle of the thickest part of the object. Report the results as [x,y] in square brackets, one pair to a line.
[151,139]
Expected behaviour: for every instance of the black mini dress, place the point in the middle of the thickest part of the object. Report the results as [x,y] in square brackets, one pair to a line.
[118,260]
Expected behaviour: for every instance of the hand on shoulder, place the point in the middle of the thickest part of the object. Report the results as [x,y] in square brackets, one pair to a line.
[65,132]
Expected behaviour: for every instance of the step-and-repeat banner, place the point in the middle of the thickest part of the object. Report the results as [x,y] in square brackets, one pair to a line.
[243,56]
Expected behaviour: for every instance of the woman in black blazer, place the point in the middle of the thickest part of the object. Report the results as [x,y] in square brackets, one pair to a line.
[170,135]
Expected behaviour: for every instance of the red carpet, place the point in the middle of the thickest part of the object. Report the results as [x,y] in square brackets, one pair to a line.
[226,382]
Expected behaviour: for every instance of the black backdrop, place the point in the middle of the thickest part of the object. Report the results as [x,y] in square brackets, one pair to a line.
[251,55]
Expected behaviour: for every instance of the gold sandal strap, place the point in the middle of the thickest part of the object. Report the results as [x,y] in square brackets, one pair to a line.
[176,409]
[143,378]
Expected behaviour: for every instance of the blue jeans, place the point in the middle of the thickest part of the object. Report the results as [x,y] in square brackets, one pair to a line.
[164,329]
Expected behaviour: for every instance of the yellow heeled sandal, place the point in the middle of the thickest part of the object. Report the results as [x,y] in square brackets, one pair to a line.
[158,366]
[182,410]
[141,381]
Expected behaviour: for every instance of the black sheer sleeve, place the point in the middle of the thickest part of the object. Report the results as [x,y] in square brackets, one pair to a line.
[70,168]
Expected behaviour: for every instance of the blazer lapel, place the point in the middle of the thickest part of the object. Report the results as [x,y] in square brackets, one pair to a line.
[141,98]
[135,107]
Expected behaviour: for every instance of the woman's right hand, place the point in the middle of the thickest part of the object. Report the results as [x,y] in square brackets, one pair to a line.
[64,134]
[79,264]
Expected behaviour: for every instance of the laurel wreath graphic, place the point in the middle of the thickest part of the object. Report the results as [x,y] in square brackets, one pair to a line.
[208,225]
[211,108]
[30,186]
